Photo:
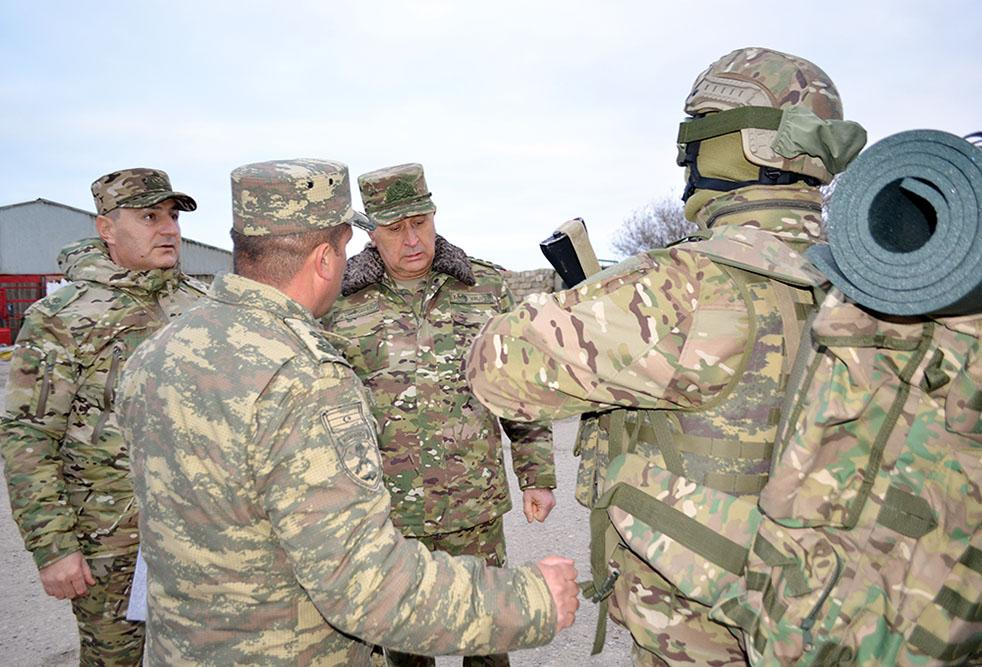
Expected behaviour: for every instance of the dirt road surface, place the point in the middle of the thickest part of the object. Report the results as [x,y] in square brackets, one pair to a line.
[36,630]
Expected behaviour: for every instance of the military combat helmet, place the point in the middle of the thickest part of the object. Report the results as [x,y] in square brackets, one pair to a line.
[786,109]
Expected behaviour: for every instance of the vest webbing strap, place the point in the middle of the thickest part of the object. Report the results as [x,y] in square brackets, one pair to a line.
[795,580]
[906,514]
[880,443]
[928,643]
[802,372]
[616,433]
[666,442]
[955,604]
[790,321]
[685,530]
[879,340]
[740,614]
[831,653]
[735,483]
[972,559]
[756,581]
[719,447]
[772,603]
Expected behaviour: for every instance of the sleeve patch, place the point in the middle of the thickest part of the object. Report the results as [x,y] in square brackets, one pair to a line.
[354,439]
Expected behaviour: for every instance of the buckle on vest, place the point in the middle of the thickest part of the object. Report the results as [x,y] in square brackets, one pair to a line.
[598,595]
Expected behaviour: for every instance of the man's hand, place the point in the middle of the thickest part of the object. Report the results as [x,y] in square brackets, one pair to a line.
[560,576]
[68,578]
[538,503]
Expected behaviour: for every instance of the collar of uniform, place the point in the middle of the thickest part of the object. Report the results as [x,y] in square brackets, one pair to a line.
[89,260]
[240,291]
[366,268]
[791,212]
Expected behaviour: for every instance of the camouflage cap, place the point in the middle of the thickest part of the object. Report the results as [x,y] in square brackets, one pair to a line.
[292,196]
[394,193]
[136,188]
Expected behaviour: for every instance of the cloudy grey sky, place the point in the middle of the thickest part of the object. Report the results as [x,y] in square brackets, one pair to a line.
[524,113]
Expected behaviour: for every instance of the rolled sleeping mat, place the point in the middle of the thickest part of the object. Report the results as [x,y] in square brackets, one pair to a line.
[905,226]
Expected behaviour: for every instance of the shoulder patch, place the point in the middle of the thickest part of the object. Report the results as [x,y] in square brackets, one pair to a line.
[314,340]
[484,262]
[354,440]
[473,297]
[51,304]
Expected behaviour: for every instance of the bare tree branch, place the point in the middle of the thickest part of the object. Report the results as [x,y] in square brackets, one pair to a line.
[654,225]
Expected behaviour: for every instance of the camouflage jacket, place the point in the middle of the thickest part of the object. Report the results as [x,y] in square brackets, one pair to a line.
[864,547]
[263,512]
[441,449]
[668,329]
[66,465]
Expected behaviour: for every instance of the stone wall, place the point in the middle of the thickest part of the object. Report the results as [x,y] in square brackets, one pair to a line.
[523,283]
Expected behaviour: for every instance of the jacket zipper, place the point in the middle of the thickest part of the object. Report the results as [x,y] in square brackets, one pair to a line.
[49,366]
[107,394]
[771,204]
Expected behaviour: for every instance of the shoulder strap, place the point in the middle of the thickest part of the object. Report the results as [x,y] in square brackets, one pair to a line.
[758,252]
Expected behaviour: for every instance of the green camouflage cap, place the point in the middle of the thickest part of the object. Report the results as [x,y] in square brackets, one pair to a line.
[292,196]
[394,193]
[136,188]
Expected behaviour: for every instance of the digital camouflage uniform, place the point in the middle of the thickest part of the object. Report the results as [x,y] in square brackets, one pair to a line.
[265,522]
[66,465]
[696,339]
[442,455]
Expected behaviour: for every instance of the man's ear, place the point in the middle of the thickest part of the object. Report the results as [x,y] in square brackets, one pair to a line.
[324,255]
[105,229]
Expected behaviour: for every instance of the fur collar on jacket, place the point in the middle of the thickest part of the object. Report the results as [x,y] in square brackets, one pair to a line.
[366,268]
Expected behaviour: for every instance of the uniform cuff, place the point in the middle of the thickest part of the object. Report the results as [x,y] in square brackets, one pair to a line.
[540,481]
[59,547]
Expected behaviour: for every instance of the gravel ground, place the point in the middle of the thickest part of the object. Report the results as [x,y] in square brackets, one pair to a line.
[38,630]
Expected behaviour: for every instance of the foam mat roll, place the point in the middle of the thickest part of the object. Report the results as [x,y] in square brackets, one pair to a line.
[905,226]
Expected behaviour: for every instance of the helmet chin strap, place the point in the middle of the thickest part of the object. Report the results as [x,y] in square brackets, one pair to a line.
[766,176]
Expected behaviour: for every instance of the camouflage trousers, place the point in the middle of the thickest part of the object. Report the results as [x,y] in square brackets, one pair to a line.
[667,629]
[107,638]
[486,541]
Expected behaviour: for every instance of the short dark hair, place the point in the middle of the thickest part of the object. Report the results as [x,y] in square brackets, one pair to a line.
[276,259]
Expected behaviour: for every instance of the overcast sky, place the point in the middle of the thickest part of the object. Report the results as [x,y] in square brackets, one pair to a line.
[523,113]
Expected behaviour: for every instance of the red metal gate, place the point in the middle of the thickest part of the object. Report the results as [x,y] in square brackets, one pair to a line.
[17,292]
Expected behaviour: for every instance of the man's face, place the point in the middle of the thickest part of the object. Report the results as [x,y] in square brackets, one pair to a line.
[407,246]
[141,239]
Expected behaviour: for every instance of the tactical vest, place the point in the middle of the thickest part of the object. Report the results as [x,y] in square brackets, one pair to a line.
[727,443]
[865,547]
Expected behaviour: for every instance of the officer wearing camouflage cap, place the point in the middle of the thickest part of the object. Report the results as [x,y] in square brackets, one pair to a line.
[697,340]
[65,461]
[412,303]
[265,524]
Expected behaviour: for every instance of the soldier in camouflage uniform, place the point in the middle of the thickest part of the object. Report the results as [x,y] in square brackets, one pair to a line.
[66,465]
[264,519]
[412,303]
[699,336]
